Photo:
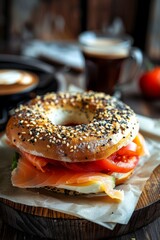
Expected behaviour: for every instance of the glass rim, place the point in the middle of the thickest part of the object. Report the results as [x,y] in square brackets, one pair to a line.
[88,37]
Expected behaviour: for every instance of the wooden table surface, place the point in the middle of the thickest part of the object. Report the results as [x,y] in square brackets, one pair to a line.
[147,232]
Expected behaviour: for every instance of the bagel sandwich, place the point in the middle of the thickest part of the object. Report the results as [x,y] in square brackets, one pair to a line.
[74,143]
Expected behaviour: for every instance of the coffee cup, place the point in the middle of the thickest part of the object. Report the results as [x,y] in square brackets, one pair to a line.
[105,56]
[15,81]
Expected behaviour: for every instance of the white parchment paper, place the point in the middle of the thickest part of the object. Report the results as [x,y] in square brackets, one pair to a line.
[100,210]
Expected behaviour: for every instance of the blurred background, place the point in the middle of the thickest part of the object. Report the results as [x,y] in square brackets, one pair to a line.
[49,20]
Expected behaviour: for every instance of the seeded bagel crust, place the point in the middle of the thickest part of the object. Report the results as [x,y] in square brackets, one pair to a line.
[103,125]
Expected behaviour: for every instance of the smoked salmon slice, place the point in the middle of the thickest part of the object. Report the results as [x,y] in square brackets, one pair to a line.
[28,176]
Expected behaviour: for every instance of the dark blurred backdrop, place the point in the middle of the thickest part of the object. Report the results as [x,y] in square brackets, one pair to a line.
[50,20]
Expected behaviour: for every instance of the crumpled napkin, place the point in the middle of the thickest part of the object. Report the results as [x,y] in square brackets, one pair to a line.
[150,126]
[65,53]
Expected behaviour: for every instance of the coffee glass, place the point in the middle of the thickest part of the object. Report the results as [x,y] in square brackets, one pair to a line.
[105,56]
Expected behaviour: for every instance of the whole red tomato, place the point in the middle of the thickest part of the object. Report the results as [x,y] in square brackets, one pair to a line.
[149,83]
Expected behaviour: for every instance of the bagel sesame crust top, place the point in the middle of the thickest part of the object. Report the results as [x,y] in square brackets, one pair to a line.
[46,126]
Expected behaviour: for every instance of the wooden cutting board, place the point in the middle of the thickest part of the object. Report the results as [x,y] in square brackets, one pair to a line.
[51,224]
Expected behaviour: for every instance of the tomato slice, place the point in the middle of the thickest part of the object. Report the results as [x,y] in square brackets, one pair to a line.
[129,150]
[121,164]
[115,163]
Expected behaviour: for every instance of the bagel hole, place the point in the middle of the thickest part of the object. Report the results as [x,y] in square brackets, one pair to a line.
[69,117]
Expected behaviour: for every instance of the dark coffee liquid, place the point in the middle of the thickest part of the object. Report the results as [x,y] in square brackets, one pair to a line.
[102,71]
